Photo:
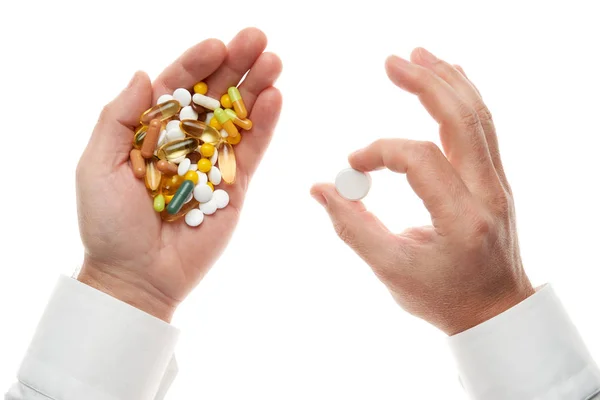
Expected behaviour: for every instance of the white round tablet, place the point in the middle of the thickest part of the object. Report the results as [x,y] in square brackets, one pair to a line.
[164,98]
[352,184]
[174,124]
[209,207]
[194,217]
[188,113]
[203,193]
[221,198]
[183,97]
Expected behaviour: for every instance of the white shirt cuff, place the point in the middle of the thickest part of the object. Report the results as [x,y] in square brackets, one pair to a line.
[92,346]
[531,351]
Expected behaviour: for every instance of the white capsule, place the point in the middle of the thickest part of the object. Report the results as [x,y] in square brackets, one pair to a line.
[202,178]
[208,118]
[214,175]
[209,207]
[352,184]
[189,198]
[194,217]
[164,98]
[215,157]
[221,198]
[174,124]
[183,96]
[206,102]
[203,193]
[193,167]
[188,113]
[184,166]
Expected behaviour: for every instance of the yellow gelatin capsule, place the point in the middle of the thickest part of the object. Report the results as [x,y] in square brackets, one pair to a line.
[138,138]
[238,103]
[153,176]
[191,176]
[226,101]
[199,130]
[184,210]
[201,88]
[169,186]
[245,124]
[207,150]
[226,122]
[227,163]
[161,112]
[215,124]
[204,165]
[177,148]
[234,140]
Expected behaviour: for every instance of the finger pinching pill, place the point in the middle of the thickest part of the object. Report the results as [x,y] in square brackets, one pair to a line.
[183,97]
[238,103]
[205,101]
[352,184]
[194,217]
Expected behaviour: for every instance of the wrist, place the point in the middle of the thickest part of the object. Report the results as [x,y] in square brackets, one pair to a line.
[128,289]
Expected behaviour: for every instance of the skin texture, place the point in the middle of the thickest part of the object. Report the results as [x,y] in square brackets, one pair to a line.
[466,267]
[129,252]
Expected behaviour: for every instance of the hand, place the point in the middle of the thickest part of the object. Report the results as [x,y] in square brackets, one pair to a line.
[129,252]
[466,267]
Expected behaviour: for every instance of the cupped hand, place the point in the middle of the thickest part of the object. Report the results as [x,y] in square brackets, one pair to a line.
[465,268]
[130,253]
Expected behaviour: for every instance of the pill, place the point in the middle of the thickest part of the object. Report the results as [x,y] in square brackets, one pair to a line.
[203,193]
[221,198]
[193,167]
[151,139]
[352,184]
[168,198]
[215,124]
[204,165]
[214,175]
[199,109]
[211,186]
[224,133]
[202,178]
[173,151]
[226,101]
[201,88]
[183,96]
[164,98]
[205,101]
[162,138]
[215,157]
[153,176]
[189,198]
[226,122]
[191,176]
[238,103]
[175,134]
[227,163]
[177,160]
[245,124]
[188,113]
[137,163]
[159,203]
[207,150]
[173,124]
[209,116]
[209,207]
[199,130]
[180,197]
[194,157]
[234,140]
[165,216]
[166,168]
[162,112]
[194,217]
[170,184]
[184,167]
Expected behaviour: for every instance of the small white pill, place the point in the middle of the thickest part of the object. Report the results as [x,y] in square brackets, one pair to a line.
[224,133]
[352,184]
[214,175]
[188,113]
[175,134]
[164,98]
[173,125]
[189,198]
[193,167]
[205,101]
[202,178]
[183,96]
[221,198]
[203,193]
[194,217]
[209,207]
[184,167]
[162,139]
[214,157]
[208,118]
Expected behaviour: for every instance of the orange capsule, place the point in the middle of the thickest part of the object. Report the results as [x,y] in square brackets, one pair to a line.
[166,167]
[245,124]
[238,103]
[151,139]
[137,163]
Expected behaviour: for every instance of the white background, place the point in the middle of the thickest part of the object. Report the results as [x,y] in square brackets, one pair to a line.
[289,312]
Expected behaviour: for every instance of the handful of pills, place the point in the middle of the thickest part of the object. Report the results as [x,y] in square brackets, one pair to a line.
[184,147]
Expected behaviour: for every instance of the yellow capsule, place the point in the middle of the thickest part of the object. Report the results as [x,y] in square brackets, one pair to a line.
[207,150]
[199,130]
[238,103]
[201,88]
[153,176]
[191,176]
[170,184]
[161,112]
[210,185]
[204,165]
[227,163]
[138,138]
[177,148]
[234,140]
[226,101]
[184,210]
[245,124]
[168,198]
[226,122]
[215,124]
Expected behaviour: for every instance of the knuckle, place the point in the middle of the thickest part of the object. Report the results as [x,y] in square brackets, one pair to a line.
[502,204]
[484,113]
[468,116]
[427,150]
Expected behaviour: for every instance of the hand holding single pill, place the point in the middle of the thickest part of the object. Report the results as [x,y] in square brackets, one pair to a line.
[130,252]
[466,267]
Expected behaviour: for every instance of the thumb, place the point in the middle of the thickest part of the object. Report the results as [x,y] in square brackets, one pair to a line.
[357,227]
[111,140]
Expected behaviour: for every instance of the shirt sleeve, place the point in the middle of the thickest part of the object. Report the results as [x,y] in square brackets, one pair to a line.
[89,345]
[531,351]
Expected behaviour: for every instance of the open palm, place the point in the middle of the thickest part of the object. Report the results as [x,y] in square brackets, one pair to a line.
[130,252]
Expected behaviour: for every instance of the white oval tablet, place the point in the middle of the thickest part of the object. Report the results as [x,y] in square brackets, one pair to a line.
[164,98]
[214,175]
[215,157]
[221,198]
[352,184]
[194,217]
[202,177]
[209,207]
[174,124]
[183,96]
[188,113]
[203,193]
[184,166]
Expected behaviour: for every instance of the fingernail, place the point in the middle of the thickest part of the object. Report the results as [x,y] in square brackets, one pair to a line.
[319,198]
[427,56]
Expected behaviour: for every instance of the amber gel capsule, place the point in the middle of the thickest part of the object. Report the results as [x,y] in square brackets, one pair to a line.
[180,197]
[151,139]
[227,163]
[177,148]
[138,138]
[238,103]
[165,216]
[200,130]
[137,163]
[153,176]
[161,112]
